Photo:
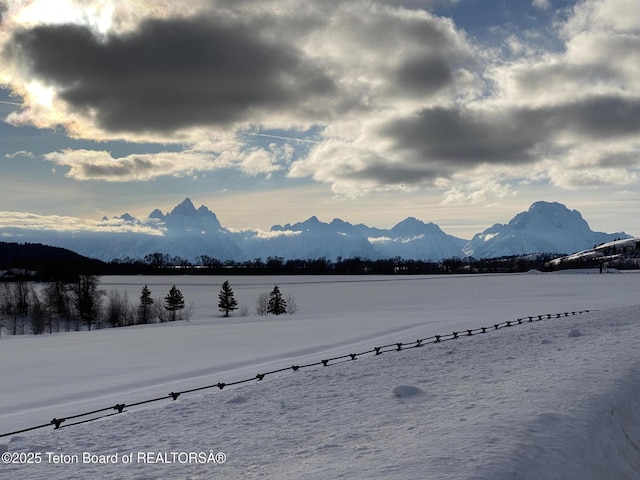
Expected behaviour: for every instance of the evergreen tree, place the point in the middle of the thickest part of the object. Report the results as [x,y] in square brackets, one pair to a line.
[277,304]
[145,305]
[173,302]
[226,300]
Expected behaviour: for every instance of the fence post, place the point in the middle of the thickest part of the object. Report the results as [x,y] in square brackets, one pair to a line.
[57,422]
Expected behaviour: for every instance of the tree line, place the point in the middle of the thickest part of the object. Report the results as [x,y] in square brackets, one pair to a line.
[159,263]
[44,263]
[56,306]
[30,308]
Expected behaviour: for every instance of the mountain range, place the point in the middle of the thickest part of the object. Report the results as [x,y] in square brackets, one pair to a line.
[190,232]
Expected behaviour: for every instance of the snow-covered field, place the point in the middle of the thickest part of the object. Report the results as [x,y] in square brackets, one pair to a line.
[528,402]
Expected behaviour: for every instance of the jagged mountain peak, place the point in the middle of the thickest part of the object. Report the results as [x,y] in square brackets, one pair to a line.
[310,223]
[184,208]
[127,217]
[313,220]
[157,214]
[410,221]
[184,218]
[413,226]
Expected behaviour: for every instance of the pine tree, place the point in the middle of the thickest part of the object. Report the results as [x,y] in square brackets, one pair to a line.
[277,304]
[173,302]
[145,304]
[226,300]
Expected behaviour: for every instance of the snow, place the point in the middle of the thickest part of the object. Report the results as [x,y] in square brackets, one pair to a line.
[527,402]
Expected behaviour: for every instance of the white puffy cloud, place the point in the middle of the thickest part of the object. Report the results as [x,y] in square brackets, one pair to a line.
[13,223]
[205,157]
[541,4]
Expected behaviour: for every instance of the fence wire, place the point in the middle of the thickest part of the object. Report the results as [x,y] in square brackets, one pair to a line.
[118,408]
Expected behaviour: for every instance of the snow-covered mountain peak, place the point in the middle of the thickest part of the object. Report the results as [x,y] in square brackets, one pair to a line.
[184,209]
[411,226]
[184,218]
[409,222]
[310,224]
[552,215]
[312,221]
[546,227]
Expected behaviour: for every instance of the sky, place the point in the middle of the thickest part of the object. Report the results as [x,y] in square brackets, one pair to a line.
[457,112]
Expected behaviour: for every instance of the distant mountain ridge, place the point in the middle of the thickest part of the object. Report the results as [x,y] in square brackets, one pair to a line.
[189,232]
[548,227]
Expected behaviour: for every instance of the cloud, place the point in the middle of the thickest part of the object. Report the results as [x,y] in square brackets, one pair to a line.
[101,165]
[227,65]
[397,98]
[538,112]
[435,144]
[541,4]
[23,223]
[264,235]
[169,74]
[20,153]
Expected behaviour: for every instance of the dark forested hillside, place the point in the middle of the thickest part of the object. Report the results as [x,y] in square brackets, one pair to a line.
[45,262]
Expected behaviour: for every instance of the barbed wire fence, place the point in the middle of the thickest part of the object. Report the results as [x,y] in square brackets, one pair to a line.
[118,408]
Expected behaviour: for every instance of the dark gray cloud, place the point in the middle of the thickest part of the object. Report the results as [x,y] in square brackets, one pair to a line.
[170,74]
[124,169]
[423,75]
[398,174]
[455,138]
[598,118]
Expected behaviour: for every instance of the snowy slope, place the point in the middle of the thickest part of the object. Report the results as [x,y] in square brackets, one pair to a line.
[411,238]
[627,250]
[310,239]
[415,239]
[552,399]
